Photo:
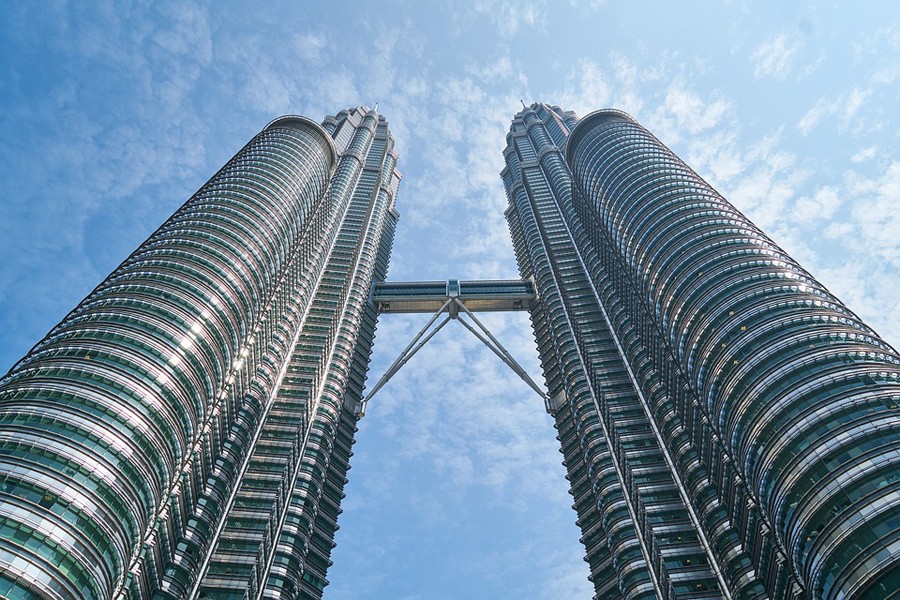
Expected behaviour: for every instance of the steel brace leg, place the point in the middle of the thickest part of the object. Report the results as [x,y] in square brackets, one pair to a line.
[500,351]
[424,336]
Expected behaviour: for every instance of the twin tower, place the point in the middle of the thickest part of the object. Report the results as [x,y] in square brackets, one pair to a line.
[730,429]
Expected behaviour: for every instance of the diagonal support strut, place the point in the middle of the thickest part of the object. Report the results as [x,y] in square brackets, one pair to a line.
[452,307]
[503,354]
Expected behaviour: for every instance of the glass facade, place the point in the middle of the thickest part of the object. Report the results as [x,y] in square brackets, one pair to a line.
[729,428]
[184,432]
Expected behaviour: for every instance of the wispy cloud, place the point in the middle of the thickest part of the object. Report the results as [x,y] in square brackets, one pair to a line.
[508,17]
[844,109]
[586,88]
[591,4]
[774,57]
[865,154]
[684,111]
[875,210]
[310,45]
[822,204]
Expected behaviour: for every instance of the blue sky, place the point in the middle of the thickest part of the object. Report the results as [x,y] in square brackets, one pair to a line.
[112,114]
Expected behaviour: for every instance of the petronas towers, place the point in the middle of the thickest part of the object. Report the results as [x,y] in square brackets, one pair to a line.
[729,428]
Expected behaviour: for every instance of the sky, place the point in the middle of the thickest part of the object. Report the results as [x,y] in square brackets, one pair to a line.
[113,113]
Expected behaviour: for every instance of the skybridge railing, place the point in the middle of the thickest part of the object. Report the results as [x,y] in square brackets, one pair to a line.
[477,296]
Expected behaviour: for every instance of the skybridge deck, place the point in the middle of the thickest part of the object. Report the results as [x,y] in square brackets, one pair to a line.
[431,296]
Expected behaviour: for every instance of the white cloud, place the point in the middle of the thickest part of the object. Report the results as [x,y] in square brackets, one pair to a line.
[854,102]
[586,89]
[845,110]
[591,4]
[869,289]
[770,180]
[507,16]
[691,113]
[838,231]
[185,32]
[503,68]
[880,44]
[813,116]
[309,45]
[774,57]
[718,155]
[885,75]
[682,117]
[339,89]
[864,154]
[860,244]
[821,205]
[875,211]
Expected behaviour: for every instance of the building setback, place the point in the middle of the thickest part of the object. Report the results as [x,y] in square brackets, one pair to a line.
[729,428]
[185,431]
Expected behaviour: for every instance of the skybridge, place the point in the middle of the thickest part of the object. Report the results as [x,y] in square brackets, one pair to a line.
[430,296]
[454,300]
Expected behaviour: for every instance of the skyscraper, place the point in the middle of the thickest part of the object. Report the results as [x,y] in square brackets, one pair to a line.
[729,428]
[184,432]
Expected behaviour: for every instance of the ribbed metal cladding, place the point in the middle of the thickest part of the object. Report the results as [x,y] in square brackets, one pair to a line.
[111,424]
[276,531]
[641,526]
[543,249]
[360,257]
[792,402]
